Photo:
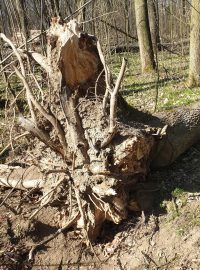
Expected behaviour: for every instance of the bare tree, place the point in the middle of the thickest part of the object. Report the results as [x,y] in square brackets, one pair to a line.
[194,69]
[154,24]
[20,4]
[184,7]
[144,36]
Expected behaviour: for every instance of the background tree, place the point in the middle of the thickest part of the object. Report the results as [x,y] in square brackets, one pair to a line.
[154,24]
[194,69]
[144,36]
[20,5]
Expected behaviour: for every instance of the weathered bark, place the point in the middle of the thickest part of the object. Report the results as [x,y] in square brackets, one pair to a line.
[144,36]
[182,131]
[194,69]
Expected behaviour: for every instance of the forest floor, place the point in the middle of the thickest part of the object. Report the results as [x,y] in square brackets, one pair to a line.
[165,236]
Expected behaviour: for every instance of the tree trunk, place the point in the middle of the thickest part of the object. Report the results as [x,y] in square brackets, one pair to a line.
[184,7]
[154,25]
[22,17]
[144,36]
[194,68]
[81,15]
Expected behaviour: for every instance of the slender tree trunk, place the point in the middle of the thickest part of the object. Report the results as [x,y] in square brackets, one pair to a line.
[184,7]
[154,24]
[81,15]
[56,7]
[144,36]
[194,70]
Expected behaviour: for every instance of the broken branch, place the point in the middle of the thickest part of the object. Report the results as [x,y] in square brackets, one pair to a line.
[113,98]
[50,117]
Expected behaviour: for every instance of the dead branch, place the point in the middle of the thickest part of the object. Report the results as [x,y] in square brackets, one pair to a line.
[50,117]
[46,198]
[19,178]
[107,76]
[7,147]
[119,30]
[113,98]
[15,52]
[22,70]
[32,128]
[39,58]
[22,184]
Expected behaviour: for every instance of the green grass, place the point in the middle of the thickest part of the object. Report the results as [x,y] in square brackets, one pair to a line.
[140,90]
[178,192]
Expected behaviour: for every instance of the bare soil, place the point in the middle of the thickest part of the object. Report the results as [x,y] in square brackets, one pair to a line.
[165,236]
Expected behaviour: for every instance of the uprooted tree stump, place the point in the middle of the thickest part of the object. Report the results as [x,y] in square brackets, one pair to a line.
[102,147]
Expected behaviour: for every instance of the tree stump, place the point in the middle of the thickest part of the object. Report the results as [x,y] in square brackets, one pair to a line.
[103,146]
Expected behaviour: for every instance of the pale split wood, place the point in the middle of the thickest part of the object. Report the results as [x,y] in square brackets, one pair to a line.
[35,37]
[22,184]
[39,58]
[31,127]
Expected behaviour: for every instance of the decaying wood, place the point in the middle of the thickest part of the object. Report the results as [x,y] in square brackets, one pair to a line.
[107,147]
[19,178]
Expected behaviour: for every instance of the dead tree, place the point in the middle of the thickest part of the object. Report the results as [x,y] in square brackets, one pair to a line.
[100,148]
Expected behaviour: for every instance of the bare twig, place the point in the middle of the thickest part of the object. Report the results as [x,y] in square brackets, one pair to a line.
[10,192]
[15,52]
[77,193]
[51,237]
[79,9]
[22,69]
[14,139]
[96,83]
[48,197]
[93,19]
[11,129]
[119,29]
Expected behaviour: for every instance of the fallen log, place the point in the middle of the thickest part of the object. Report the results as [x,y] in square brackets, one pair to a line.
[107,147]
